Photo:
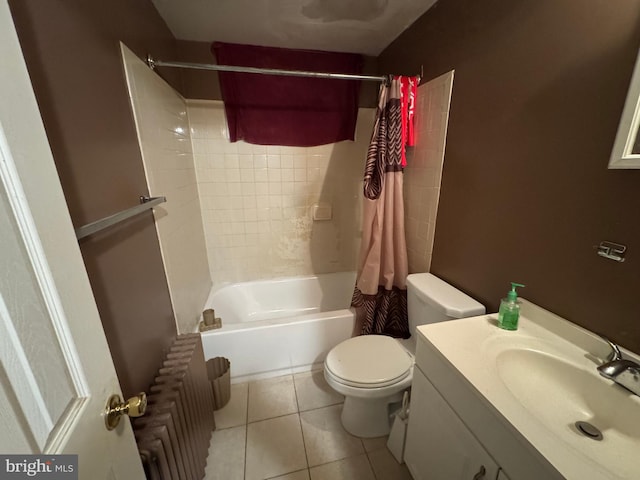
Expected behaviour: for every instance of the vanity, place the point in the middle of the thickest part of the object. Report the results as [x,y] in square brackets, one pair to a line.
[528,404]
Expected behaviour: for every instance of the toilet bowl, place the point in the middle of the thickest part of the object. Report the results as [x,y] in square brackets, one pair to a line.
[373,371]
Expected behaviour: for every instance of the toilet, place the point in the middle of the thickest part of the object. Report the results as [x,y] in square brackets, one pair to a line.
[373,371]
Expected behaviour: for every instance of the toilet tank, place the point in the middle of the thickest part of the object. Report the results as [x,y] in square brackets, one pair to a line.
[431,300]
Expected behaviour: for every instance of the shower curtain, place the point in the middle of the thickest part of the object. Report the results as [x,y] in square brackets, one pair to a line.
[380,295]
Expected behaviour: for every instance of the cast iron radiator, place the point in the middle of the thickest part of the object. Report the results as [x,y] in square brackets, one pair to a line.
[174,434]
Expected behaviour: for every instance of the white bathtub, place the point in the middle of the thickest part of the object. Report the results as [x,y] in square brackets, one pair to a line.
[285,325]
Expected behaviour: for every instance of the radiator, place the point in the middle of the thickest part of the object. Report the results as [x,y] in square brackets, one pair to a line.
[174,434]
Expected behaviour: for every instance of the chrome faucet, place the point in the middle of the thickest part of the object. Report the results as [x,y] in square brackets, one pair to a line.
[622,371]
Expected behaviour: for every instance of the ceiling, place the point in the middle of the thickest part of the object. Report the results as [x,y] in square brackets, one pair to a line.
[356,26]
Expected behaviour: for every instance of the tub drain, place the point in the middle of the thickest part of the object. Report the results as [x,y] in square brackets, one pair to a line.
[589,430]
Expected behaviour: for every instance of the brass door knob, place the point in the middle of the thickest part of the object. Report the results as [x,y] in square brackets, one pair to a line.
[134,407]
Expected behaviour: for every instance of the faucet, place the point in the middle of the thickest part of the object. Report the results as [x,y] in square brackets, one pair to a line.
[622,371]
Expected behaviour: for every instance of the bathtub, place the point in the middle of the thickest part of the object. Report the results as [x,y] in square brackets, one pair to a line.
[279,326]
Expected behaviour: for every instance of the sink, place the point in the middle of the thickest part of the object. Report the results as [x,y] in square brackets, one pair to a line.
[577,394]
[559,393]
[543,378]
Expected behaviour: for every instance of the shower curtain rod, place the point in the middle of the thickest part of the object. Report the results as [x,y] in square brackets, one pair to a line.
[264,71]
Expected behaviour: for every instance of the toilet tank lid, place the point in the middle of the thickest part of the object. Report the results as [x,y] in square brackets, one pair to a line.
[444,297]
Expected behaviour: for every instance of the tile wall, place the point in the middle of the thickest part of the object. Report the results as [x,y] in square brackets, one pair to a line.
[163,131]
[258,201]
[424,170]
[239,212]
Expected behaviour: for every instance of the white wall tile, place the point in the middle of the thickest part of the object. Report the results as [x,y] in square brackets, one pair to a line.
[278,188]
[424,170]
[166,146]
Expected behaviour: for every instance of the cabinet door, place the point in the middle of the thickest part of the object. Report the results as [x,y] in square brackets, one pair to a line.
[439,446]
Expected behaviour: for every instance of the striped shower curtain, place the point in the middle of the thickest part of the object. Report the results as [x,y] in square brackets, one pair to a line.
[380,295]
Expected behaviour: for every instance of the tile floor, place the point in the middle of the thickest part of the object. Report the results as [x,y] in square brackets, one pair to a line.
[288,428]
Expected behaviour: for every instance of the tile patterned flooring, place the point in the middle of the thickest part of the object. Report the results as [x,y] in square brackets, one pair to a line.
[288,428]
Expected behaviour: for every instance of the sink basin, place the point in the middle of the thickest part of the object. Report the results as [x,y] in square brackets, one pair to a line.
[536,378]
[559,393]
[543,378]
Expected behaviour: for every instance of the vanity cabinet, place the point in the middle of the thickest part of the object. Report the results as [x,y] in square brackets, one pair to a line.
[439,446]
[454,433]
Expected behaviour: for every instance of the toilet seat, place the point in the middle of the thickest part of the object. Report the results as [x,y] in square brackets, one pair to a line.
[369,361]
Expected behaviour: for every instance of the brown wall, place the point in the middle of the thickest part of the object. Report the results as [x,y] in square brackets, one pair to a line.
[204,85]
[526,195]
[72,53]
[198,84]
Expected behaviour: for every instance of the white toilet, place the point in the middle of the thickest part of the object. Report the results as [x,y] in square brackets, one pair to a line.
[373,371]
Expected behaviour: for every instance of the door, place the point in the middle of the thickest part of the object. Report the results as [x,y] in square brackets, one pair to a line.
[56,372]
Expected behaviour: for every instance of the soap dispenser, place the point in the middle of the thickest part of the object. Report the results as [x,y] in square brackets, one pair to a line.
[509,312]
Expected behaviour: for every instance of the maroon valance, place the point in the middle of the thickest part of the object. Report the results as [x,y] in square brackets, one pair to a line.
[294,111]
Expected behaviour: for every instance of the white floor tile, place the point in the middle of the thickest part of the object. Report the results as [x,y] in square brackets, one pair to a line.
[274,447]
[386,467]
[233,413]
[300,475]
[226,454]
[271,398]
[274,441]
[373,444]
[353,468]
[313,391]
[324,437]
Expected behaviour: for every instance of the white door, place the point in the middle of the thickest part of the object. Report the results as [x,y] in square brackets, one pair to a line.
[56,372]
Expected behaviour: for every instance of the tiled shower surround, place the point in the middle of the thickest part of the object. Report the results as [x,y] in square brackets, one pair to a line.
[243,212]
[163,132]
[424,170]
[258,201]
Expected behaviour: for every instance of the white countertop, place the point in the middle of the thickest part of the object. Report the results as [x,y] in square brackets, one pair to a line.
[542,378]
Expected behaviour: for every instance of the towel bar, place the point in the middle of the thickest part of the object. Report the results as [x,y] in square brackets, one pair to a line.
[146,203]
